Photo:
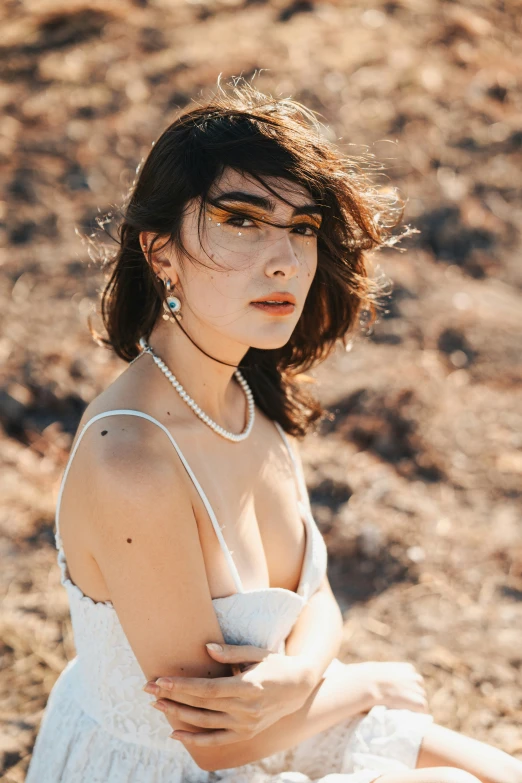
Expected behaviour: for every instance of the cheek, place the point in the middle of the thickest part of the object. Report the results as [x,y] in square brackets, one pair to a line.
[311,269]
[216,296]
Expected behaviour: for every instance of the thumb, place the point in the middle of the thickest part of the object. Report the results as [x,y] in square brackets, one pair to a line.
[238,653]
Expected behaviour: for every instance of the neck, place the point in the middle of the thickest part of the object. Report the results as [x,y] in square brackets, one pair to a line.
[210,383]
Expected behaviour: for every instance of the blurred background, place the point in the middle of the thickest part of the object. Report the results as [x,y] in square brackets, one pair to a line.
[416,481]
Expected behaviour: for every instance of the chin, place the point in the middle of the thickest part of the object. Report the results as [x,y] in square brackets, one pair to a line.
[270,343]
[270,336]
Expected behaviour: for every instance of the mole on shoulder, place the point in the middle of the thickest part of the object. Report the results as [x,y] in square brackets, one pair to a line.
[104,432]
[129,541]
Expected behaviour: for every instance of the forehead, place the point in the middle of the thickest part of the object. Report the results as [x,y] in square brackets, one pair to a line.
[235,180]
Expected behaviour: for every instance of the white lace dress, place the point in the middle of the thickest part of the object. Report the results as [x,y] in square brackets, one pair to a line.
[98,726]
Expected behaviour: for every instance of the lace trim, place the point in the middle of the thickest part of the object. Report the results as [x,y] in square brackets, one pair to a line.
[387,740]
[71,747]
[80,595]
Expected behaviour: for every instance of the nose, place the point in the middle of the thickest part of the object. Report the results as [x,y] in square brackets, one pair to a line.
[283,260]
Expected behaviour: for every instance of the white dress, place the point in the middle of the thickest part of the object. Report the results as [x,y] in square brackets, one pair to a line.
[98,726]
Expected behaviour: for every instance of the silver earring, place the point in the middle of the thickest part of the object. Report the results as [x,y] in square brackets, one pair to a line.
[171,305]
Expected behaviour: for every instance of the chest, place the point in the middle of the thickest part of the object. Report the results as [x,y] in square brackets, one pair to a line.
[254,499]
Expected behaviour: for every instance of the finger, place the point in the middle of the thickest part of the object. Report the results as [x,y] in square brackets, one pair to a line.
[219,705]
[413,694]
[205,740]
[238,653]
[416,703]
[203,687]
[205,719]
[247,693]
[203,702]
[418,691]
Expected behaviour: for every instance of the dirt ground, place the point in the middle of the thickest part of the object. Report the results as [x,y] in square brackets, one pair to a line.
[416,482]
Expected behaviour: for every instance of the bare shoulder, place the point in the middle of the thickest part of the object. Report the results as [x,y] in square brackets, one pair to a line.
[121,438]
[132,477]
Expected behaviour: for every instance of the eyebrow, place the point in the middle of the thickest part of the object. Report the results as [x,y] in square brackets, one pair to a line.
[243,197]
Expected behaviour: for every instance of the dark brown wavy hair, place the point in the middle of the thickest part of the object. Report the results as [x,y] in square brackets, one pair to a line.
[257,135]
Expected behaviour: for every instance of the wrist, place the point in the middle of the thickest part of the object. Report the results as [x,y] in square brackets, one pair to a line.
[360,673]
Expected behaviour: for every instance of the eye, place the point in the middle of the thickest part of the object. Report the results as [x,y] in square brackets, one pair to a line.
[313,229]
[236,221]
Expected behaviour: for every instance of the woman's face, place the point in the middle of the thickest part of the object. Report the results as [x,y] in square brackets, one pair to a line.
[243,260]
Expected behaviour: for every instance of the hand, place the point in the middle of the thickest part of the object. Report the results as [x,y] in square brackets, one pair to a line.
[266,687]
[397,685]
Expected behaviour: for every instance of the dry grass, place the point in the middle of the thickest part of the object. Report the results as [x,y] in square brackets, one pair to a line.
[416,483]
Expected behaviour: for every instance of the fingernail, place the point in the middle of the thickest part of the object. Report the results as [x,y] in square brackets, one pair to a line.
[150,687]
[159,705]
[164,682]
[215,647]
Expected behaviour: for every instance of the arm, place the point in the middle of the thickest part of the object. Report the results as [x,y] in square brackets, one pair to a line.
[280,689]
[335,698]
[317,634]
[142,533]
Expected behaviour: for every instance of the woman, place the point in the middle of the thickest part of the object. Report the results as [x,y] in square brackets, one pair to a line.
[185,520]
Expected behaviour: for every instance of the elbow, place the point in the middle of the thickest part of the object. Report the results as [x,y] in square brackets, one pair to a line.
[213,759]
[205,764]
[204,757]
[211,767]
[235,754]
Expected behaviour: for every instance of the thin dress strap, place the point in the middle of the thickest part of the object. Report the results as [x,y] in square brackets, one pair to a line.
[215,523]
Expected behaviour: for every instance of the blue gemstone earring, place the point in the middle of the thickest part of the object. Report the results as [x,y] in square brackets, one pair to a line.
[171,305]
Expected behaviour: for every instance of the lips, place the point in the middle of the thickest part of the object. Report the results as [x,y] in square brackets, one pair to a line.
[278,304]
[280,297]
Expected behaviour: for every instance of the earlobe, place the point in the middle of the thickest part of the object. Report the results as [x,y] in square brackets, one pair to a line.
[161,264]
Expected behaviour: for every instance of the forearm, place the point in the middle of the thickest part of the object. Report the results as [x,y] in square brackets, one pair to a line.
[317,634]
[335,698]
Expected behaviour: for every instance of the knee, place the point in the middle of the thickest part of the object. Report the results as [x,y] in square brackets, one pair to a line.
[453,775]
[514,774]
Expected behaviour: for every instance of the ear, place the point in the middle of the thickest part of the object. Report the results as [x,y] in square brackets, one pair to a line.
[165,268]
[160,259]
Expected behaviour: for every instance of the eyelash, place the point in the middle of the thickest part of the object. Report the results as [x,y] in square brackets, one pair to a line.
[234,220]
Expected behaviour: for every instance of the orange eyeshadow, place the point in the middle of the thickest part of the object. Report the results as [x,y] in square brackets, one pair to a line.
[250,212]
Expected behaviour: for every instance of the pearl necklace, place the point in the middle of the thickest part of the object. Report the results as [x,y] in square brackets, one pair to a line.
[195,407]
